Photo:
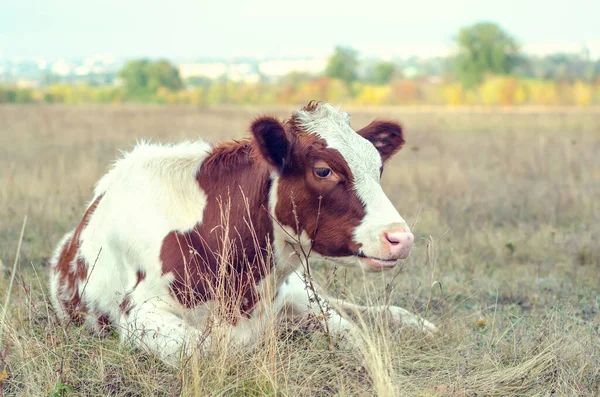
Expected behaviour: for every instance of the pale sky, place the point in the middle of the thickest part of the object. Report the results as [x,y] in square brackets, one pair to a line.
[275,28]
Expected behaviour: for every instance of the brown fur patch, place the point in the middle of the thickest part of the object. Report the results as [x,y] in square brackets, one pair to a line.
[125,304]
[328,213]
[104,322]
[227,254]
[69,278]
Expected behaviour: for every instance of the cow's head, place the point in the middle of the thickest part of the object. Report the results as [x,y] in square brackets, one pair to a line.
[327,185]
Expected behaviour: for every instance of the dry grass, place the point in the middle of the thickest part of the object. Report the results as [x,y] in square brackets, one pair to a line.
[506,207]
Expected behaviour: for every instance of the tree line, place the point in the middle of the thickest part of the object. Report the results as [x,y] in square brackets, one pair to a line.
[488,68]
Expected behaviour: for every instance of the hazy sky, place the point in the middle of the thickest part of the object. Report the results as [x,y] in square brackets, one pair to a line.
[225,28]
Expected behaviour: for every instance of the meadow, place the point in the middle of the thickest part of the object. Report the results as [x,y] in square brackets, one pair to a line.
[505,208]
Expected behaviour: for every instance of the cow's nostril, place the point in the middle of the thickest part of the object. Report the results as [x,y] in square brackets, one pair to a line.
[393,238]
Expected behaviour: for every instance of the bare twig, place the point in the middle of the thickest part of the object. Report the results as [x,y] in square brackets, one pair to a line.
[308,278]
[304,256]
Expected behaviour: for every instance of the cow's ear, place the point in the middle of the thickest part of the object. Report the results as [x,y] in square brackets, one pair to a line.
[272,140]
[386,136]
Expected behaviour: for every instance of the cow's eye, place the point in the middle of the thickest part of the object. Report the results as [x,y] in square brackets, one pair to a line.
[322,172]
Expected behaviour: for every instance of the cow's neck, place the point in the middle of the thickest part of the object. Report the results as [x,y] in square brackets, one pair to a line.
[237,186]
[242,188]
[292,253]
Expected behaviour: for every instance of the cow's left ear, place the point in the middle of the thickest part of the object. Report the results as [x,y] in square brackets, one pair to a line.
[273,141]
[386,136]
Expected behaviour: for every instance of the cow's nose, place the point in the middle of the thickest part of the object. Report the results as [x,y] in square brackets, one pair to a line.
[399,242]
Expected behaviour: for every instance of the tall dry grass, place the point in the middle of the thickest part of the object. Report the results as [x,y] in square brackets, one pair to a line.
[505,206]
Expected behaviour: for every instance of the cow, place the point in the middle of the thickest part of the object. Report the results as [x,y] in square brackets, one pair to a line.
[178,232]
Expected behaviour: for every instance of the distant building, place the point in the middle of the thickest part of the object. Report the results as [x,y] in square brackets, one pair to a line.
[82,70]
[280,68]
[242,72]
[41,63]
[212,70]
[410,72]
[238,72]
[27,83]
[61,68]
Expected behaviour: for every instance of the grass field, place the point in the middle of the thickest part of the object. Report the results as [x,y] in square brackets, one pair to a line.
[506,213]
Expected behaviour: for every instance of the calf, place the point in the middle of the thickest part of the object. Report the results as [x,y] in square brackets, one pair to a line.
[175,232]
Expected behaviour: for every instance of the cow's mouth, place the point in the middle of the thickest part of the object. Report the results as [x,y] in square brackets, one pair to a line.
[376,263]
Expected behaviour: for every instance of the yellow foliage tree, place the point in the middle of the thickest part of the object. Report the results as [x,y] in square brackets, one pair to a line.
[542,92]
[453,94]
[471,98]
[196,96]
[216,94]
[337,91]
[582,93]
[499,91]
[520,95]
[374,95]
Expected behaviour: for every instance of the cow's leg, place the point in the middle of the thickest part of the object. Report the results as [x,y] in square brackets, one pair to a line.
[153,325]
[301,301]
[398,315]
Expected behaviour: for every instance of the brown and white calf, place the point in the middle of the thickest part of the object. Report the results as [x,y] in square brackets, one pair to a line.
[172,230]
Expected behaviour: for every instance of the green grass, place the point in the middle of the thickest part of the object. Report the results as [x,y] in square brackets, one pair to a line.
[506,213]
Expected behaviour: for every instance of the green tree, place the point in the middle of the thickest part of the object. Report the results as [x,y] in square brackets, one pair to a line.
[198,81]
[163,74]
[135,77]
[343,64]
[143,78]
[23,95]
[382,72]
[484,48]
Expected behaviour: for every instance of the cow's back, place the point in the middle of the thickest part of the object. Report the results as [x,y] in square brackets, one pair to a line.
[115,249]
